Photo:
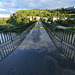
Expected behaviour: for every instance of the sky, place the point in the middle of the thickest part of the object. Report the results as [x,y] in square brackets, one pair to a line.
[8,7]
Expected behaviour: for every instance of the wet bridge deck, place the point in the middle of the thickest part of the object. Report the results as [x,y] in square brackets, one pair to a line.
[36,55]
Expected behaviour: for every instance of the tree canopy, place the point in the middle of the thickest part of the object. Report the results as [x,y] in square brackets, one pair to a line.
[20,17]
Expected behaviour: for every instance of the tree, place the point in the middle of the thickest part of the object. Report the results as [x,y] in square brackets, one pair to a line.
[45,20]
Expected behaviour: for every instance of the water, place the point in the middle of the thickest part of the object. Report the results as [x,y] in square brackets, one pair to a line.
[36,55]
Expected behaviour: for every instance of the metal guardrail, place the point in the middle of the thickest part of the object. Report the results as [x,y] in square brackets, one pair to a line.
[63,39]
[10,42]
[7,35]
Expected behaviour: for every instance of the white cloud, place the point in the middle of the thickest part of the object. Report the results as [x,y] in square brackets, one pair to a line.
[11,0]
[11,6]
[1,5]
[11,11]
[2,9]
[43,0]
[30,4]
[4,15]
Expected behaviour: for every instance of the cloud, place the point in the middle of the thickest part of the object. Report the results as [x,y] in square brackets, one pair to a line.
[11,0]
[14,5]
[9,5]
[4,15]
[11,11]
[2,9]
[1,5]
[31,4]
[50,4]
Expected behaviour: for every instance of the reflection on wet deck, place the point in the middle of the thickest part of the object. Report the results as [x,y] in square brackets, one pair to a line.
[36,57]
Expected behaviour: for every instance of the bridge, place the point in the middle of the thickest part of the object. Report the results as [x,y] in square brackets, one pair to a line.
[37,49]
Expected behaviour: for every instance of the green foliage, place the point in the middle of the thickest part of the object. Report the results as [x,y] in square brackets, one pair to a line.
[73,29]
[34,27]
[45,20]
[21,17]
[72,16]
[50,20]
[4,27]
[67,23]
[3,21]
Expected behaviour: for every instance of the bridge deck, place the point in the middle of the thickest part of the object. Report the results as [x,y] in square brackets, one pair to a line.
[36,55]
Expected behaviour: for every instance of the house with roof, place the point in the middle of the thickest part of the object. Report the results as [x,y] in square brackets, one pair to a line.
[70,8]
[54,18]
[44,18]
[63,18]
[32,17]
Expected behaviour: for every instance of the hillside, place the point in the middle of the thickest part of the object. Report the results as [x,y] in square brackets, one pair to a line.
[21,17]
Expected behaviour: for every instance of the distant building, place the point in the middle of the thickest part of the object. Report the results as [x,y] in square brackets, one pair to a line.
[70,8]
[71,14]
[72,18]
[37,17]
[44,18]
[55,18]
[48,22]
[32,17]
[64,18]
[41,11]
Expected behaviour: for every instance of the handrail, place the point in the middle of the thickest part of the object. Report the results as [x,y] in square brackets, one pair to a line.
[63,40]
[64,34]
[7,35]
[8,47]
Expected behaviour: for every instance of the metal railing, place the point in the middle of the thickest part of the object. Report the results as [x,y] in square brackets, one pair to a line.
[7,35]
[12,38]
[63,39]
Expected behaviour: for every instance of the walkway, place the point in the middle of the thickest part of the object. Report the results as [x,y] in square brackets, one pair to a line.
[36,55]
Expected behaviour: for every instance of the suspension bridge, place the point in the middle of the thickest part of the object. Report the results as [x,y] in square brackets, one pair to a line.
[35,50]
